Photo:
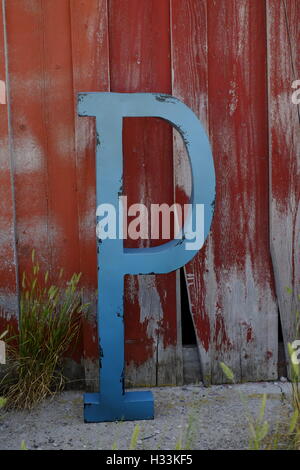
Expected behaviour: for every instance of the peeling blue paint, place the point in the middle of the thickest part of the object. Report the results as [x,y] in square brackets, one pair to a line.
[112,402]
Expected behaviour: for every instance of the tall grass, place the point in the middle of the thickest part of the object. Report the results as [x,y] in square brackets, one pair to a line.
[287,435]
[50,318]
[295,379]
[296,368]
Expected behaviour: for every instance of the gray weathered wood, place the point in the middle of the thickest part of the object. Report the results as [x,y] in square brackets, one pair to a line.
[284,136]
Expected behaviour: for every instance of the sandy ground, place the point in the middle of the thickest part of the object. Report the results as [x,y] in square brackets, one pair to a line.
[216,415]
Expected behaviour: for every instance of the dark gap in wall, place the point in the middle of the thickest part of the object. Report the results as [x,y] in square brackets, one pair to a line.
[282,364]
[187,326]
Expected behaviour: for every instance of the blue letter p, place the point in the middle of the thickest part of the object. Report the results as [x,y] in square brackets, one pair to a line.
[114,261]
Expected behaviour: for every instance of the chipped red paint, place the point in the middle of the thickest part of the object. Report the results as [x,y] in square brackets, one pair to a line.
[90,340]
[90,62]
[249,332]
[136,337]
[137,64]
[284,158]
[141,348]
[168,323]
[211,54]
[269,354]
[250,337]
[221,339]
[8,268]
[229,93]
[9,323]
[233,111]
[202,325]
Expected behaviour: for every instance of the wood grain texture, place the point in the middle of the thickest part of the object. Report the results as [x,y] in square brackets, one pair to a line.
[284,133]
[43,128]
[230,281]
[212,55]
[42,121]
[27,90]
[190,84]
[8,262]
[90,53]
[140,62]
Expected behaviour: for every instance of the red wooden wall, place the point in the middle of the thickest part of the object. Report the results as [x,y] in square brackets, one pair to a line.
[233,62]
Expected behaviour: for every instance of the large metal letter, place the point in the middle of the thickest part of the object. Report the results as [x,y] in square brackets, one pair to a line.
[114,261]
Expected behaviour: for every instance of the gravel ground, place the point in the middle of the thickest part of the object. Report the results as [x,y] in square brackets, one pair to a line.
[216,415]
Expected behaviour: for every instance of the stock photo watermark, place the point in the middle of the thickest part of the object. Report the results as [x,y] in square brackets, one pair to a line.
[2,352]
[2,92]
[157,223]
[295,356]
[296,93]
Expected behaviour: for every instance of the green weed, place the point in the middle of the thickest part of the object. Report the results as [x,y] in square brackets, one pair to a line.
[50,318]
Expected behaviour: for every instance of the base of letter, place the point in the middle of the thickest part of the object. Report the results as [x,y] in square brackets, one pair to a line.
[130,407]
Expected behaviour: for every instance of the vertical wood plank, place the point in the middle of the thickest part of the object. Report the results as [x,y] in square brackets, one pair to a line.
[230,281]
[39,48]
[59,47]
[238,123]
[26,59]
[43,132]
[90,73]
[59,121]
[190,84]
[284,136]
[140,62]
[8,261]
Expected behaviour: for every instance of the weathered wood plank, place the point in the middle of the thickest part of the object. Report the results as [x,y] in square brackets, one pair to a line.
[219,69]
[140,62]
[284,136]
[27,87]
[90,48]
[59,122]
[8,261]
[230,281]
[238,117]
[42,122]
[43,132]
[190,84]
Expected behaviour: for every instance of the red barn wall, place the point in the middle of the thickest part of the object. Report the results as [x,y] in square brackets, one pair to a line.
[233,62]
